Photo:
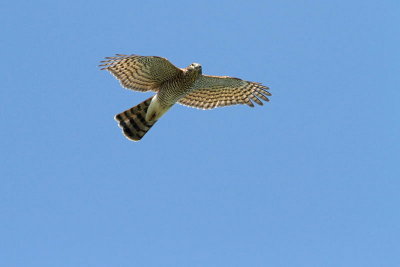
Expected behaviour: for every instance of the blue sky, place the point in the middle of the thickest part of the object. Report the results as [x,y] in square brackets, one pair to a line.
[309,179]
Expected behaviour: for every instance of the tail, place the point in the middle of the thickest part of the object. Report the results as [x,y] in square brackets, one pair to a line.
[133,121]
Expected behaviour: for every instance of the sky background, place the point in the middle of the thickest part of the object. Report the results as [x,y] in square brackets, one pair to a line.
[310,179]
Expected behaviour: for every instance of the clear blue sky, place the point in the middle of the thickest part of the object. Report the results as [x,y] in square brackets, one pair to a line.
[310,179]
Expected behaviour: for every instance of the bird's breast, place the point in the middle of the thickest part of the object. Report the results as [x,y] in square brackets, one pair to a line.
[171,91]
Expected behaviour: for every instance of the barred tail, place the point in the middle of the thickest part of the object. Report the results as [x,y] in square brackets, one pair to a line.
[133,121]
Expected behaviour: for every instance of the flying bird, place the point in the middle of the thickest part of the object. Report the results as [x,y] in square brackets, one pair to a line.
[186,86]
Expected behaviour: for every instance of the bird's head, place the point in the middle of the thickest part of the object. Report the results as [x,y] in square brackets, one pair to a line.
[194,67]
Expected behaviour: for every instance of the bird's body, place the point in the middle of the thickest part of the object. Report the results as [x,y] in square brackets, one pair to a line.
[174,85]
[172,90]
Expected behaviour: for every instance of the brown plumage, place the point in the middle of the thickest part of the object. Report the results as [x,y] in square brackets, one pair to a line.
[133,122]
[186,86]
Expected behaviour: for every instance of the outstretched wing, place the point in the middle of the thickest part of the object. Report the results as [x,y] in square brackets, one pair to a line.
[217,91]
[140,73]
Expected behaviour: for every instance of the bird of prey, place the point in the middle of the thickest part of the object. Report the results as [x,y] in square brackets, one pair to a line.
[186,86]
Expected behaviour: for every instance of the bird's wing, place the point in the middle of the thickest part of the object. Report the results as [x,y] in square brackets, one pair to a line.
[217,91]
[140,73]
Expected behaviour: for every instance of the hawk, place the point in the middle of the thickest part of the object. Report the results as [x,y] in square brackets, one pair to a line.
[186,86]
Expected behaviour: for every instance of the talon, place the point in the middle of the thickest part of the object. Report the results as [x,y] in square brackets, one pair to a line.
[153,116]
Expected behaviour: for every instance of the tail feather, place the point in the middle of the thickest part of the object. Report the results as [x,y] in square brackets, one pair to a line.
[133,121]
